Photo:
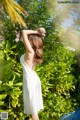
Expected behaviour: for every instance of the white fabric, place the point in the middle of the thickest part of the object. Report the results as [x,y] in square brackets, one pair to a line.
[32,96]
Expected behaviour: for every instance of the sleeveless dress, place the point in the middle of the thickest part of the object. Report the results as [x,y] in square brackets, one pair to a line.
[32,95]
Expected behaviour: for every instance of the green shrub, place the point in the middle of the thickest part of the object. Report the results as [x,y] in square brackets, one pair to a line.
[58,81]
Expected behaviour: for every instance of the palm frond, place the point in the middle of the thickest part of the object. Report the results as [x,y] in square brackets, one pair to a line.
[14,10]
[18,8]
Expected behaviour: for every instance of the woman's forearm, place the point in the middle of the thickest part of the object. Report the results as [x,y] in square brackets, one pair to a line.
[30,32]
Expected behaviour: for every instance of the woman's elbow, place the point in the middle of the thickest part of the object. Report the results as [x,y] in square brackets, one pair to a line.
[26,32]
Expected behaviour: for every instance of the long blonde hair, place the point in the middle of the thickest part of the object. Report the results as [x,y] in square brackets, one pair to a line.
[37,45]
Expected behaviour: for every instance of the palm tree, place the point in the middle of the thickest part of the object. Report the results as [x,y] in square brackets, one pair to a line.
[14,10]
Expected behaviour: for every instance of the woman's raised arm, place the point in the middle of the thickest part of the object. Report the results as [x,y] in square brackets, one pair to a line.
[27,44]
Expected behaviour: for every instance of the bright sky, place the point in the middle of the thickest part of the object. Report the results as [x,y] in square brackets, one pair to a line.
[74,14]
[67,23]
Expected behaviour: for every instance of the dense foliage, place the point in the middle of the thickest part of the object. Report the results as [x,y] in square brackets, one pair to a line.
[59,72]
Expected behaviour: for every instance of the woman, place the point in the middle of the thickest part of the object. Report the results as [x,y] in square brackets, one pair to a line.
[32,95]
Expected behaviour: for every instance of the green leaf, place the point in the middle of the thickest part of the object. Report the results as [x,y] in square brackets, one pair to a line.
[3,96]
[1,103]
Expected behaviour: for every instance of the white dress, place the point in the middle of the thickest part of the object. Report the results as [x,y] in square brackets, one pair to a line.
[32,95]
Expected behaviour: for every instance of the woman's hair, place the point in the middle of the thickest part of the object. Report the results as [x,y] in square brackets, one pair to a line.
[37,45]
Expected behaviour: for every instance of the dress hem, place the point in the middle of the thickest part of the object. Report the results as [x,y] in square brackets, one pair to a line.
[33,113]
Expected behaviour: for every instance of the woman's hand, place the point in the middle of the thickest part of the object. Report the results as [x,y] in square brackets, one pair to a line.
[41,31]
